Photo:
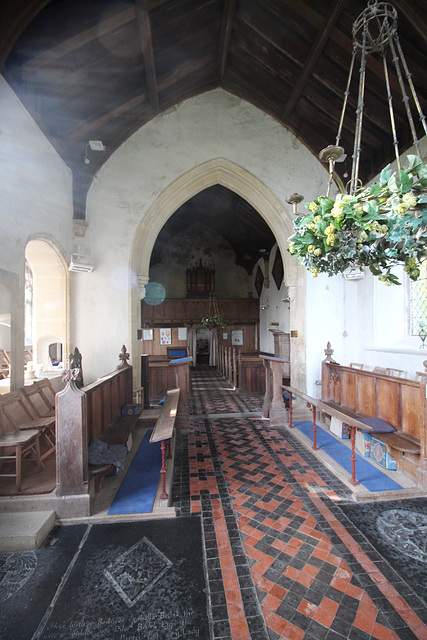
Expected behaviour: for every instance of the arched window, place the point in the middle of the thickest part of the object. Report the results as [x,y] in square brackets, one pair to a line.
[46,308]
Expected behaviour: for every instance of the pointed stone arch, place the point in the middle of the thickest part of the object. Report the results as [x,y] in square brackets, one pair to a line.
[265,202]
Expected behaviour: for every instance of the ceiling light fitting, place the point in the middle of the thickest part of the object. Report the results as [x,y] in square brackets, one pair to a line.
[93,145]
[385,224]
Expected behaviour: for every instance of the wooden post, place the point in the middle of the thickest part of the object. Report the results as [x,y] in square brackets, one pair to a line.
[273,391]
[71,441]
[164,494]
[235,368]
[313,409]
[267,396]
[353,457]
[182,378]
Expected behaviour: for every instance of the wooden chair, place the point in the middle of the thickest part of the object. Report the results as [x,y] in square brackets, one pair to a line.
[380,370]
[41,397]
[12,450]
[17,414]
[394,372]
[4,364]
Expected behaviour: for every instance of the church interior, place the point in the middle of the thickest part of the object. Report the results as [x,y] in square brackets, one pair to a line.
[213,313]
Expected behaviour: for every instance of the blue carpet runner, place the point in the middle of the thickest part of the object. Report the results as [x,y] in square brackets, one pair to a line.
[137,492]
[372,478]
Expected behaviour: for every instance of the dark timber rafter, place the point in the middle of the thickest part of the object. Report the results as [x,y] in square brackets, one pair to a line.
[313,58]
[144,28]
[224,41]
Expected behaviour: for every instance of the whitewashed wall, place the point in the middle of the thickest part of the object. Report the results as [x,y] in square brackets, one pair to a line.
[213,125]
[35,184]
[35,201]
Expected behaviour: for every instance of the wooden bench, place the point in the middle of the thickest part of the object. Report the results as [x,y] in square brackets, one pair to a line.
[94,411]
[400,402]
[163,431]
[348,418]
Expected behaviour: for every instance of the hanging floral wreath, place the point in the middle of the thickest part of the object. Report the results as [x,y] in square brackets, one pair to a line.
[379,227]
[213,321]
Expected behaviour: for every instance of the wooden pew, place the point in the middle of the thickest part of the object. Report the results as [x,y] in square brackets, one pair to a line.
[94,411]
[398,401]
[163,430]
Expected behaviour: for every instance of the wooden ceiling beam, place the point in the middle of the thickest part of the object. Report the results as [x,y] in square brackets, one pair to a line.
[83,130]
[144,29]
[225,36]
[75,42]
[316,51]
[413,17]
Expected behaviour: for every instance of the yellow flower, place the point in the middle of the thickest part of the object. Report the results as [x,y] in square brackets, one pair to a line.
[291,247]
[410,200]
[330,229]
[317,218]
[318,252]
[330,240]
[337,209]
[311,225]
[401,209]
[311,248]
[313,206]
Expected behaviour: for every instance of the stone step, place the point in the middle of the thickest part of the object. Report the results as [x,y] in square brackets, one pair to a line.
[25,531]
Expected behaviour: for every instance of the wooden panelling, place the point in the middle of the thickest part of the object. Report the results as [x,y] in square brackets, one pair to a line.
[388,401]
[366,394]
[180,311]
[413,409]
[251,374]
[161,378]
[348,389]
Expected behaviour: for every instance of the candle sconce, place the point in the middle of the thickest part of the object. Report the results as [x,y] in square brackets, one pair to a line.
[422,333]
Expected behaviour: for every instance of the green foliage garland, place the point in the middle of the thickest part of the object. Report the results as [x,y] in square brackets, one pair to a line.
[379,227]
[213,321]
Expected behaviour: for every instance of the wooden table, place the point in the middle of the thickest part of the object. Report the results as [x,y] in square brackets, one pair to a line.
[20,442]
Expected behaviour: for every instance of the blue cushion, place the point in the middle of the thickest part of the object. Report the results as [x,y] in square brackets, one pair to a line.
[131,409]
[378,425]
[162,402]
[285,395]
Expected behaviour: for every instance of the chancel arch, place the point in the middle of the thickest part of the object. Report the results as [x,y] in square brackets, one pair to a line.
[276,214]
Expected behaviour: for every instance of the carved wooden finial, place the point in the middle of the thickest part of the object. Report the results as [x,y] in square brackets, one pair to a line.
[71,373]
[329,353]
[124,356]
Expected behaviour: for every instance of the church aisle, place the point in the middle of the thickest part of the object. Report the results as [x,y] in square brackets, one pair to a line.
[284,556]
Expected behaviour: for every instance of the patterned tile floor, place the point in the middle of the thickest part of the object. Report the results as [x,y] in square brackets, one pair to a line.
[283,561]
